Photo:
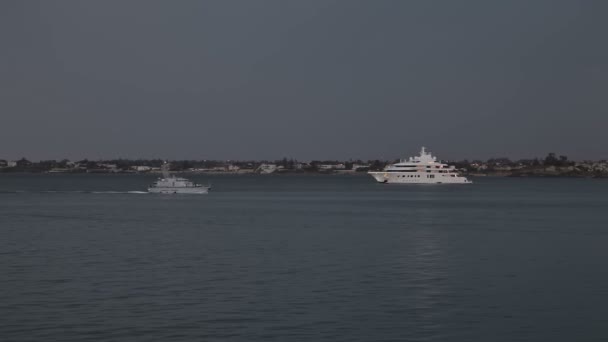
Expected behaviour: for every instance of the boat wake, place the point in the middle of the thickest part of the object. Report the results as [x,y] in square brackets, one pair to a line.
[71,192]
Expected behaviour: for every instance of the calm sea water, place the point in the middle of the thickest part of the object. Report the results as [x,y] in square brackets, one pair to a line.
[302,258]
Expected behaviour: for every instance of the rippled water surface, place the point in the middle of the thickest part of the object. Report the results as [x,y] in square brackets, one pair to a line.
[302,258]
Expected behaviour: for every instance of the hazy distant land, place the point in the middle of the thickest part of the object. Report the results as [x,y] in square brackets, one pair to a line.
[550,166]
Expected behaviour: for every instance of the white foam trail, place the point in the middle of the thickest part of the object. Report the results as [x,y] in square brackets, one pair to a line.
[73,192]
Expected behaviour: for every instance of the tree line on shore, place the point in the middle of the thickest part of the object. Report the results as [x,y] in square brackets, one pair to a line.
[553,162]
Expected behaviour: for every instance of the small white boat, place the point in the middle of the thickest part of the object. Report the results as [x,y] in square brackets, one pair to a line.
[169,184]
[423,169]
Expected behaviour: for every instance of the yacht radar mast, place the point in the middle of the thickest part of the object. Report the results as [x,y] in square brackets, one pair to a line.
[165,170]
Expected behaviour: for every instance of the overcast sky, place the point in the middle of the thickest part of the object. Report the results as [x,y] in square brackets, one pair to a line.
[265,79]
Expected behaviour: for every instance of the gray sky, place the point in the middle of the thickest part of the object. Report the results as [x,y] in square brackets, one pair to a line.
[265,79]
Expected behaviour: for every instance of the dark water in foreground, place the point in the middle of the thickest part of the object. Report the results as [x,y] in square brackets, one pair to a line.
[302,258]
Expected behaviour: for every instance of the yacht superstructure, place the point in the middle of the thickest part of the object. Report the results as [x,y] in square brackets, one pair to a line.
[422,169]
[169,184]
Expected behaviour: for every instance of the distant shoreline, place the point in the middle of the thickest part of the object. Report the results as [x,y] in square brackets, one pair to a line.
[291,174]
[551,166]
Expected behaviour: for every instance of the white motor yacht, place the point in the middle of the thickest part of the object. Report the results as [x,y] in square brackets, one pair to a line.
[422,169]
[169,184]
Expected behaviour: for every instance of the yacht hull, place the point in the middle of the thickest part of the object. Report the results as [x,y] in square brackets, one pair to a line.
[416,178]
[168,190]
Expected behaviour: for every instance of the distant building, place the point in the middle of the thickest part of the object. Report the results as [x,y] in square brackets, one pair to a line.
[142,168]
[23,163]
[479,167]
[328,167]
[267,168]
[301,166]
[108,166]
[357,167]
